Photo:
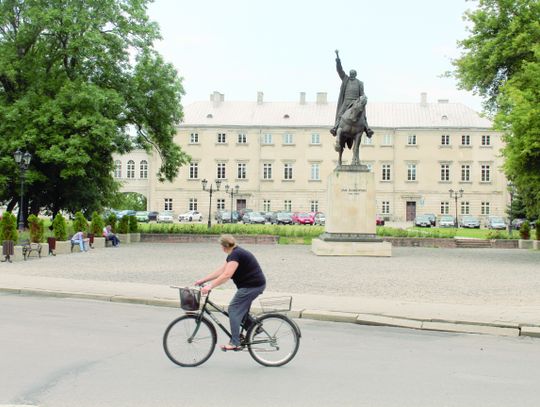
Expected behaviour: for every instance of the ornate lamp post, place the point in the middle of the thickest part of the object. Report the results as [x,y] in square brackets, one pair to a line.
[210,191]
[511,191]
[456,195]
[23,161]
[232,193]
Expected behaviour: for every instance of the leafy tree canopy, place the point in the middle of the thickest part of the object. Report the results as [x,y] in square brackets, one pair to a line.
[76,77]
[501,62]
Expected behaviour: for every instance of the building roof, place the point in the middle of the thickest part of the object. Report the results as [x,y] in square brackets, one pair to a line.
[296,114]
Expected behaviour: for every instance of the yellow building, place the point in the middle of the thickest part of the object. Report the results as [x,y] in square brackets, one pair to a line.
[281,153]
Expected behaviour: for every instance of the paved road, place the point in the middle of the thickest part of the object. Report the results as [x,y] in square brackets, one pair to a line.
[65,352]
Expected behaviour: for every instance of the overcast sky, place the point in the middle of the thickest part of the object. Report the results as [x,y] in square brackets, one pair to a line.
[400,48]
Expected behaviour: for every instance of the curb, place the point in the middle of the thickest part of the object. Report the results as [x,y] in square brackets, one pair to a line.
[512,330]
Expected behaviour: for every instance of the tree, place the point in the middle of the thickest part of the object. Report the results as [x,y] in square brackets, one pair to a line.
[79,81]
[501,62]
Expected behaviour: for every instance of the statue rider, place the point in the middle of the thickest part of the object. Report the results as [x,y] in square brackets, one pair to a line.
[351,89]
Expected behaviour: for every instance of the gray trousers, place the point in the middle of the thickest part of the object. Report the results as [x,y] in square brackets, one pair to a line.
[239,307]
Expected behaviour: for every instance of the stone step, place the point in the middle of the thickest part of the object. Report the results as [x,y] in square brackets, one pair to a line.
[473,243]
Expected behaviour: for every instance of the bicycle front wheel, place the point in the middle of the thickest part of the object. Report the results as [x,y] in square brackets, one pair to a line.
[273,340]
[188,342]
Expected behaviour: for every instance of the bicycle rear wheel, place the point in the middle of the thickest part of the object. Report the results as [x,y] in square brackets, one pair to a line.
[273,340]
[188,345]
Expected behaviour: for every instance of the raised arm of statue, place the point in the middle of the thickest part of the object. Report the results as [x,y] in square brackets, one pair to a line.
[339,68]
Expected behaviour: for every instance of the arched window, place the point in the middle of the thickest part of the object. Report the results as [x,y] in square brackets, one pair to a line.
[143,169]
[131,169]
[118,169]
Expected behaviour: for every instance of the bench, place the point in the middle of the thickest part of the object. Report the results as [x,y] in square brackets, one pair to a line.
[28,247]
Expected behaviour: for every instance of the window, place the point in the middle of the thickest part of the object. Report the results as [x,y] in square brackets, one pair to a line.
[193,170]
[267,138]
[194,138]
[118,169]
[315,138]
[143,169]
[287,206]
[486,140]
[445,208]
[445,140]
[130,169]
[385,207]
[266,205]
[241,171]
[314,206]
[315,172]
[485,208]
[220,204]
[287,171]
[486,173]
[168,204]
[465,173]
[445,172]
[411,172]
[464,207]
[465,140]
[288,138]
[242,138]
[386,172]
[267,171]
[411,139]
[221,138]
[193,204]
[221,171]
[368,141]
[387,140]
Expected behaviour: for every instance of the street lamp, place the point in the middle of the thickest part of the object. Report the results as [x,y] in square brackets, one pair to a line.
[456,195]
[210,191]
[232,192]
[511,191]
[23,161]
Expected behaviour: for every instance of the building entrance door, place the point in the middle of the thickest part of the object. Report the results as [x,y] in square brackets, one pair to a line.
[240,204]
[411,210]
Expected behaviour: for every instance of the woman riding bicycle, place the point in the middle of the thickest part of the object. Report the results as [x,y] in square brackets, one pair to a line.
[243,268]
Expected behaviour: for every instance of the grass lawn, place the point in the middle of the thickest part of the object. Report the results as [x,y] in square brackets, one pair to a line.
[472,233]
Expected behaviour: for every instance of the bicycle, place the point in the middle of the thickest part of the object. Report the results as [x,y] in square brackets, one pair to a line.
[272,338]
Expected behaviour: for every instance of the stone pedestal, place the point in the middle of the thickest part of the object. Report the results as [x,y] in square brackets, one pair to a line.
[350,228]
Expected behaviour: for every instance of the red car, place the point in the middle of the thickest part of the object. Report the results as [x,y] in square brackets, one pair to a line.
[303,218]
[379,221]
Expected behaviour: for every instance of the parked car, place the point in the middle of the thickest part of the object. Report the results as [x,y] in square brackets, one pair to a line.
[152,215]
[303,218]
[254,217]
[379,220]
[432,218]
[516,223]
[142,216]
[125,212]
[447,221]
[496,222]
[190,216]
[469,221]
[225,217]
[242,212]
[422,221]
[320,219]
[165,217]
[282,218]
[269,216]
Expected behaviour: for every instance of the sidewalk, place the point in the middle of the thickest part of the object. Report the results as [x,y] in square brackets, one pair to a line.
[406,290]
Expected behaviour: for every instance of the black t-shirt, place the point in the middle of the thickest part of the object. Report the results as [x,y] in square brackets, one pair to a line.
[249,272]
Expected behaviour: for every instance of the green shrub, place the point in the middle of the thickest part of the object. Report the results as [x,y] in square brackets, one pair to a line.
[97,224]
[59,227]
[37,229]
[80,224]
[8,227]
[525,230]
[123,225]
[133,224]
[112,220]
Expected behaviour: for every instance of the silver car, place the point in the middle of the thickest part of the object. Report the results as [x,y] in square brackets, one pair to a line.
[496,222]
[470,222]
[447,221]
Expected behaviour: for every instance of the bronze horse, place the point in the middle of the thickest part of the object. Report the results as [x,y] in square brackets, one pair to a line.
[351,126]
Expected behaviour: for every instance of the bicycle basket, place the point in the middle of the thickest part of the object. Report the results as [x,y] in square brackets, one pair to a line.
[276,304]
[190,299]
